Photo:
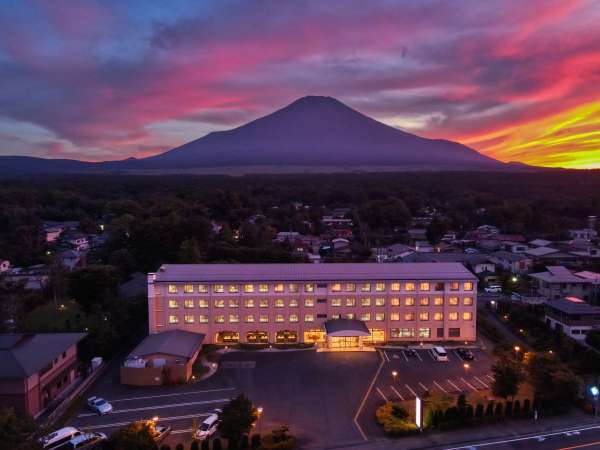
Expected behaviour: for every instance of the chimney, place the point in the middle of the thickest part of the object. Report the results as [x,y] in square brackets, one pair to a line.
[592,222]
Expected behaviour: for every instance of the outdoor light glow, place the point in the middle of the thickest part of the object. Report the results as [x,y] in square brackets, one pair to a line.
[517,348]
[466,365]
[595,391]
[155,419]
[260,410]
[394,373]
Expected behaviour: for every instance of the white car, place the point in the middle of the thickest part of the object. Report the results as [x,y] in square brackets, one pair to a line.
[493,289]
[85,440]
[209,426]
[59,437]
[439,354]
[99,405]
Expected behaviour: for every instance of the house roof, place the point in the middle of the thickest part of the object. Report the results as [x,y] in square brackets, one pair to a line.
[346,327]
[541,251]
[558,274]
[573,305]
[181,343]
[512,257]
[22,355]
[540,243]
[312,272]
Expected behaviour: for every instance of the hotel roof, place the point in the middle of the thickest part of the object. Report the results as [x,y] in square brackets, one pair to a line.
[180,343]
[312,272]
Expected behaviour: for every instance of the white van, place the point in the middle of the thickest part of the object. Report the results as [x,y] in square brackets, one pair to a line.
[439,354]
[208,427]
[84,440]
[59,437]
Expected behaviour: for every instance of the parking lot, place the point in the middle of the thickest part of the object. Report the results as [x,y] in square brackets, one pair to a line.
[415,375]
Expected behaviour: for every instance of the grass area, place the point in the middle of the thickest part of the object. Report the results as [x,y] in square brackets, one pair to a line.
[48,318]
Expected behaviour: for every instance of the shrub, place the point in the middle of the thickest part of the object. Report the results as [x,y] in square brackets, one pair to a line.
[205,445]
[165,447]
[469,412]
[516,408]
[195,445]
[179,446]
[394,419]
[216,444]
[489,409]
[479,411]
[526,406]
[278,439]
[508,409]
[244,444]
[255,441]
[498,409]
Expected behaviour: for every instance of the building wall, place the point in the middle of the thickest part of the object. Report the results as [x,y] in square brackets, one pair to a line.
[577,332]
[167,310]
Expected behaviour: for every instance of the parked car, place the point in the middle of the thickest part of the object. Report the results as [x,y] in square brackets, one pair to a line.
[439,354]
[209,426]
[160,432]
[410,352]
[84,441]
[99,405]
[493,289]
[465,354]
[471,251]
[58,437]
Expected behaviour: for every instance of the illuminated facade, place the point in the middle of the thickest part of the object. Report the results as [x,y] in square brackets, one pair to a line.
[286,303]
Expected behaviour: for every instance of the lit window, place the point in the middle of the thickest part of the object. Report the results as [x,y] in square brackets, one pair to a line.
[424,315]
[234,303]
[350,287]
[467,315]
[407,332]
[394,301]
[233,288]
[234,318]
[263,288]
[380,287]
[172,289]
[309,302]
[366,301]
[365,317]
[249,318]
[380,317]
[350,316]
[293,317]
[336,302]
[336,287]
[293,287]
[409,316]
[309,287]
[365,287]
[249,288]
[454,286]
[188,288]
[424,301]
[173,304]
[263,318]
[219,303]
[263,303]
[350,302]
[202,288]
[336,316]
[249,303]
[309,318]
[453,315]
[468,301]
[409,301]
[424,332]
[395,287]
[173,319]
[438,301]
[409,287]
[188,319]
[453,301]
[188,303]
[203,318]
[395,316]
[203,303]
[218,288]
[438,316]
[278,287]
[424,286]
[279,303]
[380,301]
[293,303]
[220,319]
[468,286]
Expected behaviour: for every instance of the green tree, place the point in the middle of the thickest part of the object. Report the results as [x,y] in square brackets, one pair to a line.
[508,375]
[237,418]
[554,384]
[436,230]
[135,436]
[593,339]
[16,431]
[279,439]
[189,252]
[92,285]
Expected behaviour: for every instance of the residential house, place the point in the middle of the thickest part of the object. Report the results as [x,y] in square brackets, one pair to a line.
[540,243]
[558,282]
[572,316]
[33,277]
[540,252]
[36,368]
[513,262]
[71,259]
[423,247]
[289,236]
[4,265]
[393,252]
[77,240]
[586,234]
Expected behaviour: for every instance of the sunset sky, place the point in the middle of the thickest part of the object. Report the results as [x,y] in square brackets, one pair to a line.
[516,80]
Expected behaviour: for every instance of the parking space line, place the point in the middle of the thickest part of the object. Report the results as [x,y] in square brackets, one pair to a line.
[455,386]
[440,386]
[404,354]
[456,353]
[386,356]
[397,393]
[468,384]
[162,419]
[430,355]
[423,386]
[484,385]
[419,356]
[382,395]
[172,405]
[169,395]
[491,378]
[364,399]
[411,391]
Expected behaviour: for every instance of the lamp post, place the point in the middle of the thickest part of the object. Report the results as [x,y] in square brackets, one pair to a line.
[517,350]
[394,375]
[595,393]
[466,366]
[259,410]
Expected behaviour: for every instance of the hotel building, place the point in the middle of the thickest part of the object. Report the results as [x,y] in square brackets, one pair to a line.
[338,305]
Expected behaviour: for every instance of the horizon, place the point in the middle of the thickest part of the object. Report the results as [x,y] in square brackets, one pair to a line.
[110,81]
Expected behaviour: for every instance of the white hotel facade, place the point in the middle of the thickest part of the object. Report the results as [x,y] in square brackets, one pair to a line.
[285,303]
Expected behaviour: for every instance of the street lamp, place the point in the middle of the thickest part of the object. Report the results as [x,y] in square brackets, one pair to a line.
[595,391]
[259,410]
[517,350]
[394,374]
[466,366]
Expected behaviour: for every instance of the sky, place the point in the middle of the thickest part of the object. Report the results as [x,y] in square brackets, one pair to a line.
[104,80]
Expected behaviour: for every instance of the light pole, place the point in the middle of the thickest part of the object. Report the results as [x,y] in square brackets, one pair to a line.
[466,366]
[260,411]
[394,375]
[595,393]
[517,350]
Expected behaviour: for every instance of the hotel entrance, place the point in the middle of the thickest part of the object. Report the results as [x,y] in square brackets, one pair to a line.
[344,342]
[345,334]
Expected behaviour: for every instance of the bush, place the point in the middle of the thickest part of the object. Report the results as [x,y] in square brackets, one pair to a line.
[279,439]
[479,411]
[179,446]
[498,409]
[165,447]
[489,409]
[255,441]
[216,444]
[508,409]
[244,444]
[205,445]
[395,420]
[526,406]
[469,412]
[517,408]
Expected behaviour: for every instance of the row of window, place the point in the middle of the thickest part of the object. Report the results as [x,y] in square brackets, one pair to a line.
[309,302]
[378,317]
[410,286]
[422,332]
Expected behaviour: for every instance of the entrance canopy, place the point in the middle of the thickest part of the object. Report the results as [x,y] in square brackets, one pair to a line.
[346,328]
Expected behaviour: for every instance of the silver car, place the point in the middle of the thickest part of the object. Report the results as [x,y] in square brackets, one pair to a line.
[99,405]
